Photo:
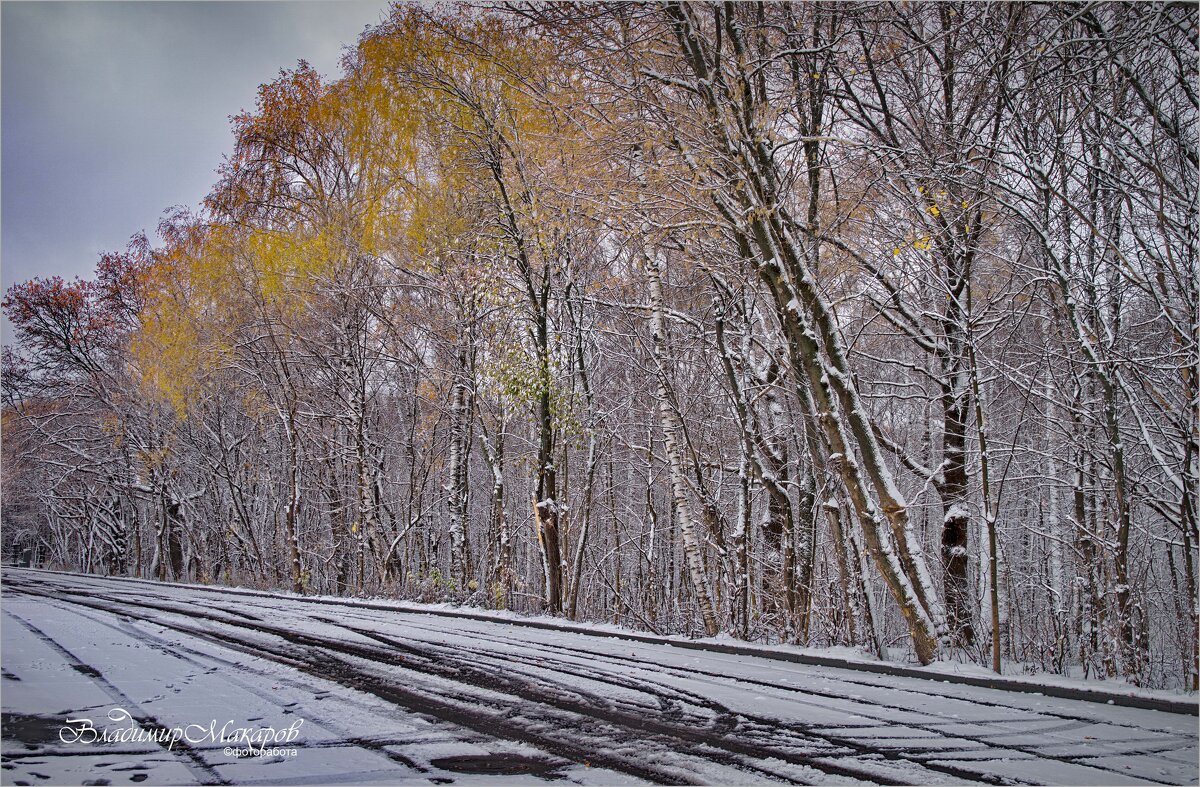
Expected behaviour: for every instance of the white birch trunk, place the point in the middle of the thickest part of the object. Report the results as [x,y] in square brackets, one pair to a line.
[672,426]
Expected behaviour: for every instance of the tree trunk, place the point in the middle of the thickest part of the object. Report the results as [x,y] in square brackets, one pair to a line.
[457,463]
[672,426]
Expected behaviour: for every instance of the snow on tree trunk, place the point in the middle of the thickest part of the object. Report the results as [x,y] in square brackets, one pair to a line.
[673,439]
[457,471]
[292,512]
[546,515]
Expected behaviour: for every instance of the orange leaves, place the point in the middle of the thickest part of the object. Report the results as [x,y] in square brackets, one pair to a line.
[172,352]
[442,148]
[288,109]
[290,159]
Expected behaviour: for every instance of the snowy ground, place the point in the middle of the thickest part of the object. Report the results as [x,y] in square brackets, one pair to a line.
[364,695]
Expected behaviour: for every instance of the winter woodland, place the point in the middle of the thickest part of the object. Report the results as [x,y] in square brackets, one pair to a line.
[867,325]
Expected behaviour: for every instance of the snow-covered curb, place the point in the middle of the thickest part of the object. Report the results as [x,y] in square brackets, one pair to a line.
[945,672]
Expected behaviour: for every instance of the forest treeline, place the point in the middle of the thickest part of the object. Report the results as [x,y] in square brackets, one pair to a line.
[859,324]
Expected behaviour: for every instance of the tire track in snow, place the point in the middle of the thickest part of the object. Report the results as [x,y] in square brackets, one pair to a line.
[203,661]
[882,669]
[761,728]
[324,658]
[183,751]
[768,728]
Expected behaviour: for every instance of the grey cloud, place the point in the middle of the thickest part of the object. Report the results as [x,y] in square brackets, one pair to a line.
[114,111]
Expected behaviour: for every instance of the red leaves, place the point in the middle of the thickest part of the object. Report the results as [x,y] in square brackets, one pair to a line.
[53,316]
[72,324]
[121,280]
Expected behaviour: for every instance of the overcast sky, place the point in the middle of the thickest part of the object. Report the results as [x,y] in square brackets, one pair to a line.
[115,111]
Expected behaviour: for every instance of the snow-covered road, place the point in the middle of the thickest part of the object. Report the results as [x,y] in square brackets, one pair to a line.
[371,695]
